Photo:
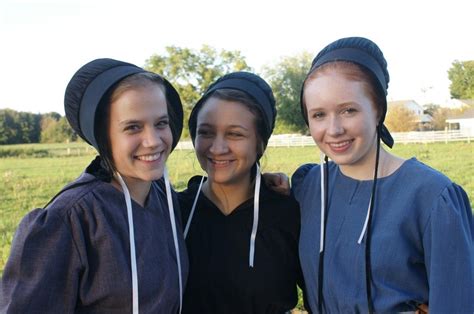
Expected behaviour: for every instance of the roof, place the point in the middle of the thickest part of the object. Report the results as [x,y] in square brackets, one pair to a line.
[400,102]
[468,102]
[425,118]
[468,114]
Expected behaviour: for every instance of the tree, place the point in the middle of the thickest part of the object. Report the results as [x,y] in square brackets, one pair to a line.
[8,127]
[461,75]
[30,127]
[400,119]
[286,79]
[25,127]
[192,71]
[19,127]
[439,118]
[56,130]
[430,109]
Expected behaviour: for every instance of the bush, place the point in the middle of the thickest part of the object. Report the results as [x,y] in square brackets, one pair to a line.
[24,152]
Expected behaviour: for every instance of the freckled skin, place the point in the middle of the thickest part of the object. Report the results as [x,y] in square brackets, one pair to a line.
[342,119]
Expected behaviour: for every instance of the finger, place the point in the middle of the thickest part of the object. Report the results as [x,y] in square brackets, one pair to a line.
[423,308]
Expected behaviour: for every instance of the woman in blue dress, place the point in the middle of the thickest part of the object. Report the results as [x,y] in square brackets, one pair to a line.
[109,242]
[378,233]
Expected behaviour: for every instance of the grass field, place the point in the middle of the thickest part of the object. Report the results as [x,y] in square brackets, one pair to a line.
[29,182]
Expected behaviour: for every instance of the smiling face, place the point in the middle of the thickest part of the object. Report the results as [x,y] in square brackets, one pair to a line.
[342,117]
[226,141]
[139,133]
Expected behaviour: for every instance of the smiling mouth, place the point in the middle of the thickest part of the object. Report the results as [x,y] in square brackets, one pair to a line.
[152,157]
[340,144]
[219,162]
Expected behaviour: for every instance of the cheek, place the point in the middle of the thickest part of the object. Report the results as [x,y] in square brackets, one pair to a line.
[369,122]
[316,129]
[200,146]
[120,146]
[168,138]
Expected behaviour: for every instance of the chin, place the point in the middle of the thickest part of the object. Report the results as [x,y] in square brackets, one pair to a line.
[218,179]
[154,175]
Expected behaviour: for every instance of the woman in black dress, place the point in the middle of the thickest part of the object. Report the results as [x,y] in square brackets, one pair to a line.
[242,238]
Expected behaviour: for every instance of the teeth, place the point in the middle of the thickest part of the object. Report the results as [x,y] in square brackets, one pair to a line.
[338,145]
[149,157]
[220,162]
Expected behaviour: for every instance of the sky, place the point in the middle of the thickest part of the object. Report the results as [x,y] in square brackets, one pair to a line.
[43,42]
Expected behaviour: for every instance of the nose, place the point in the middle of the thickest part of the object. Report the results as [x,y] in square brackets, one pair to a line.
[151,138]
[219,145]
[335,127]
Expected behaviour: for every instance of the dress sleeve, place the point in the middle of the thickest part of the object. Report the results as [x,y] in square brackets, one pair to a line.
[449,253]
[298,178]
[42,272]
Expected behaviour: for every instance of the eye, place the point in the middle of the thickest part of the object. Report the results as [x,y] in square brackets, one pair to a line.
[234,134]
[204,133]
[349,111]
[162,124]
[132,128]
[318,115]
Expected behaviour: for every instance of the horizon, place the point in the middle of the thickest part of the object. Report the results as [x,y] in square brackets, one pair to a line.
[48,40]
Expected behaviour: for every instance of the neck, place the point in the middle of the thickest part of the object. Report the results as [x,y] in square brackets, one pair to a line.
[138,189]
[228,197]
[364,170]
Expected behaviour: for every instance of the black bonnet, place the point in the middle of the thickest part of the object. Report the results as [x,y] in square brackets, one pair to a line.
[249,83]
[365,53]
[92,81]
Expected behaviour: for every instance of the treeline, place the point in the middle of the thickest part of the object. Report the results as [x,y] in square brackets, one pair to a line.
[191,71]
[25,127]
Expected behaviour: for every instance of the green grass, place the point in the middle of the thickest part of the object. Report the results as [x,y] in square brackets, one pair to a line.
[28,182]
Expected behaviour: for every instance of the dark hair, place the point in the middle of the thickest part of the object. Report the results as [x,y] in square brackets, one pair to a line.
[244,99]
[102,118]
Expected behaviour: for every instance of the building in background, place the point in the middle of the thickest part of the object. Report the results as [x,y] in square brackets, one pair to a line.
[460,103]
[422,120]
[462,122]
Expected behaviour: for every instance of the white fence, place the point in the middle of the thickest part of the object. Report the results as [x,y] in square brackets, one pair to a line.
[434,136]
[293,140]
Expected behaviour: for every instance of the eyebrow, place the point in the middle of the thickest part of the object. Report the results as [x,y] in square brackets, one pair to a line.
[232,126]
[344,104]
[132,121]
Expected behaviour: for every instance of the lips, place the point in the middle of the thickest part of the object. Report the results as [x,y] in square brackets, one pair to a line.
[340,146]
[149,158]
[219,163]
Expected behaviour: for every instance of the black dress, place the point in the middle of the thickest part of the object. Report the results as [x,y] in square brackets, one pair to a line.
[220,279]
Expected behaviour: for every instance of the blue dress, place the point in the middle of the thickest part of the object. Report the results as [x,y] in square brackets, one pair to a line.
[74,255]
[421,248]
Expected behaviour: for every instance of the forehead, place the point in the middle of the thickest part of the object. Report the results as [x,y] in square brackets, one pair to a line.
[140,102]
[216,111]
[333,84]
